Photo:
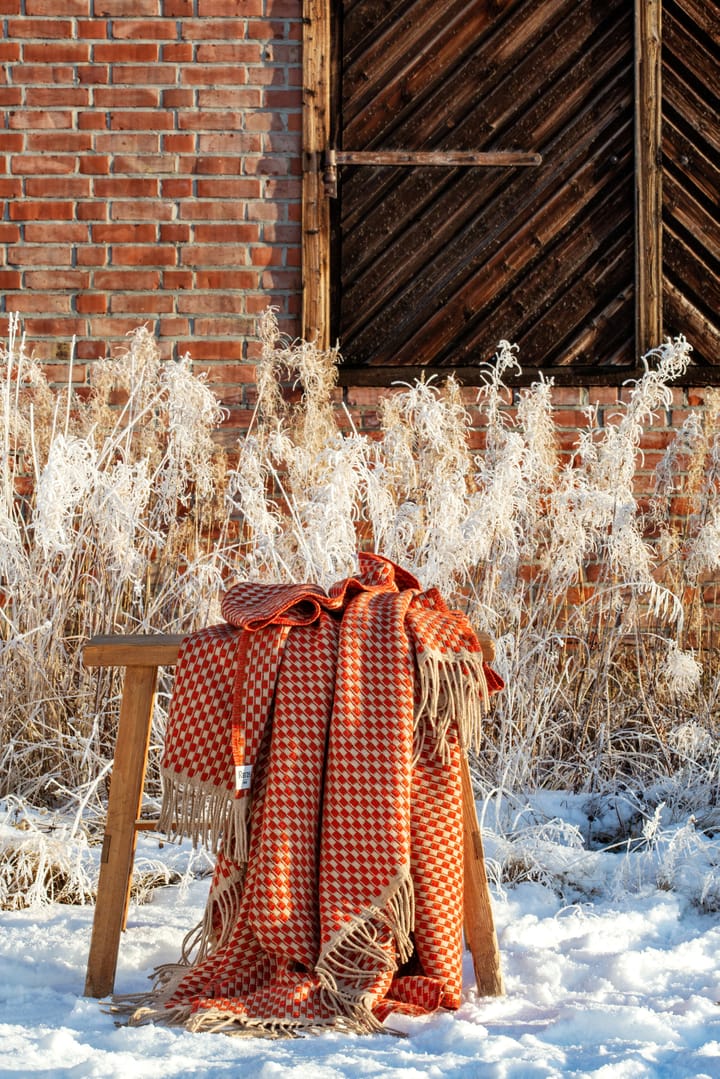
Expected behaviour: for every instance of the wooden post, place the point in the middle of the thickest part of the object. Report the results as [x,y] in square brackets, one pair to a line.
[480,935]
[648,175]
[316,140]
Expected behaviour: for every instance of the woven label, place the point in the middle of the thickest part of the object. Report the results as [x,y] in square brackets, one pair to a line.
[243,772]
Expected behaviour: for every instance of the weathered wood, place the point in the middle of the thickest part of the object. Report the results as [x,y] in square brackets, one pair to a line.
[316,137]
[691,178]
[126,788]
[648,174]
[480,935]
[429,256]
[140,650]
[446,158]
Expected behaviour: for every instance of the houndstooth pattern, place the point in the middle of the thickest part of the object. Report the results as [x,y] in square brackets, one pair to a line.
[316,692]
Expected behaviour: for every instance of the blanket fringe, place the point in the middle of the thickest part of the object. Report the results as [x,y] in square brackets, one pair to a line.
[354,957]
[198,811]
[453,693]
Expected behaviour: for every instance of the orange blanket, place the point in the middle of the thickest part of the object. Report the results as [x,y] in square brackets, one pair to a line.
[315,739]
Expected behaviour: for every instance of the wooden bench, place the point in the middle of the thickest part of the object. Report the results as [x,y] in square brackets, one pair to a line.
[141,656]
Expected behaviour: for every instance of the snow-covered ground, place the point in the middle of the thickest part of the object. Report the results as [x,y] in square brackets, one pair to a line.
[617,977]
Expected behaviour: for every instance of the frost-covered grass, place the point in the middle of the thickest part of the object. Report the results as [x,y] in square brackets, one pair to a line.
[119,514]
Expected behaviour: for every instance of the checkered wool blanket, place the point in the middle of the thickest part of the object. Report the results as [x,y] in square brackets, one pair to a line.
[314,740]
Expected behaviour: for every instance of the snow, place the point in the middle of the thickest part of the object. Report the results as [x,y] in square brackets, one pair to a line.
[607,974]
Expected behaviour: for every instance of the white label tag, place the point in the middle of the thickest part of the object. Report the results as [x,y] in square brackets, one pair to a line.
[243,772]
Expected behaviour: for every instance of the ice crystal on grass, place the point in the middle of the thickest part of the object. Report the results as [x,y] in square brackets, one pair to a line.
[118,513]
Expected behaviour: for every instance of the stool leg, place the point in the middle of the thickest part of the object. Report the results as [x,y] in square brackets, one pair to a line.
[126,789]
[480,933]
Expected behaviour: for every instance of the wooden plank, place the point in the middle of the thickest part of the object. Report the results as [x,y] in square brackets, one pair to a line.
[126,788]
[133,650]
[316,138]
[446,158]
[480,935]
[648,174]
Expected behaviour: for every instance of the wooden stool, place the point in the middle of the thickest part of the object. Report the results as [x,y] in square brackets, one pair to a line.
[141,656]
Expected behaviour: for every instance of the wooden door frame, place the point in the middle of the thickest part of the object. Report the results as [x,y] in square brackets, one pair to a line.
[317,122]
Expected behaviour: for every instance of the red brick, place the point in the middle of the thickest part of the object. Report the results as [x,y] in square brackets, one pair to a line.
[25,255]
[11,142]
[10,279]
[114,187]
[140,302]
[145,29]
[56,164]
[173,327]
[175,232]
[141,210]
[91,256]
[107,327]
[220,327]
[214,255]
[220,350]
[10,96]
[127,97]
[44,280]
[132,8]
[215,166]
[114,52]
[212,303]
[42,74]
[41,303]
[176,189]
[136,279]
[56,232]
[179,144]
[178,99]
[228,189]
[180,52]
[43,28]
[174,280]
[91,304]
[78,8]
[243,97]
[94,165]
[92,211]
[52,96]
[56,52]
[140,121]
[61,187]
[233,142]
[93,74]
[34,119]
[90,28]
[128,142]
[153,164]
[197,75]
[214,280]
[49,327]
[124,234]
[91,121]
[153,255]
[9,7]
[54,142]
[178,8]
[230,233]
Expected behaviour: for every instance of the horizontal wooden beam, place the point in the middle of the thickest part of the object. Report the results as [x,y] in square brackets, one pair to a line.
[138,650]
[380,376]
[421,158]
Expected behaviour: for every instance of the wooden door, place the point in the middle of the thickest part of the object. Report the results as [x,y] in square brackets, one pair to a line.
[430,266]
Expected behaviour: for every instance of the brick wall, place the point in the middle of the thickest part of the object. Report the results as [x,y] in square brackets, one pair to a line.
[150,173]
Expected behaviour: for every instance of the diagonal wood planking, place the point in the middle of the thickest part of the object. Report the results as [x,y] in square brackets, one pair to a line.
[691,174]
[436,265]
